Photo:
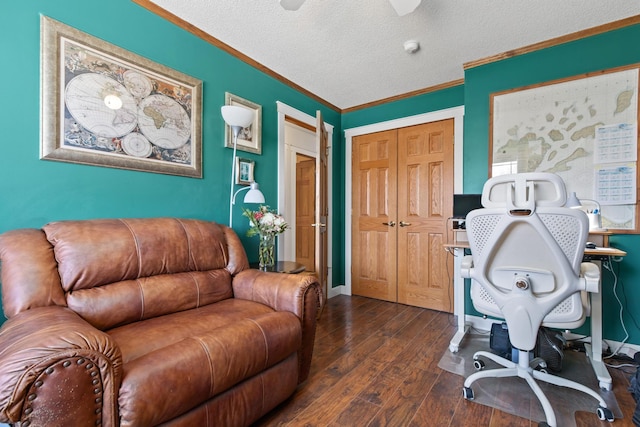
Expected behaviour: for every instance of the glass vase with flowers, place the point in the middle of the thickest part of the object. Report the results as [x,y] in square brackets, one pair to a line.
[266,224]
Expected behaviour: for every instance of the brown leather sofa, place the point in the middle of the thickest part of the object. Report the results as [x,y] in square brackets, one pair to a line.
[142,322]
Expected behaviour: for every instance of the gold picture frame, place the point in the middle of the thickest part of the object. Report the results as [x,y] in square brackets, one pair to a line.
[250,138]
[105,106]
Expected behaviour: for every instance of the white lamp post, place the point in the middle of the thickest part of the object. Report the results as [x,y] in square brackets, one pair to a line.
[239,118]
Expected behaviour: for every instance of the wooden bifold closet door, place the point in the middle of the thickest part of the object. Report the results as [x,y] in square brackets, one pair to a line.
[402,199]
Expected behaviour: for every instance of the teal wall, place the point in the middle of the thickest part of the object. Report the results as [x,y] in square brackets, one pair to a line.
[590,54]
[34,192]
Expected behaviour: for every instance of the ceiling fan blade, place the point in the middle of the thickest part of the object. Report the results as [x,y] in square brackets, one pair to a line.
[291,4]
[404,7]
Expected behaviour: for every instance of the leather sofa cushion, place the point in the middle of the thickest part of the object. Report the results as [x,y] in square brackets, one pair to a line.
[119,271]
[200,352]
[149,297]
[137,339]
[99,252]
[242,406]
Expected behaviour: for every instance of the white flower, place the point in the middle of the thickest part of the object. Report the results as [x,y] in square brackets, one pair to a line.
[267,219]
[264,222]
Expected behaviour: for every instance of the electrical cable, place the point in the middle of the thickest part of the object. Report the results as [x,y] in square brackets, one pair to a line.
[606,264]
[479,331]
[624,293]
[622,365]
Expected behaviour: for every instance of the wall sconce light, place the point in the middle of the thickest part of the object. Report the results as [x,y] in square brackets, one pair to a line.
[239,118]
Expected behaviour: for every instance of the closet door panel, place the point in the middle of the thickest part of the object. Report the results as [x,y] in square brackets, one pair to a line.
[425,192]
[374,236]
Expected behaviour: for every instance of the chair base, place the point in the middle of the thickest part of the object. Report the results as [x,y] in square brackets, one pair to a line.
[522,369]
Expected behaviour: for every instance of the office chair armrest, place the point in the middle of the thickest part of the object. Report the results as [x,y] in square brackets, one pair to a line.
[465,266]
[591,275]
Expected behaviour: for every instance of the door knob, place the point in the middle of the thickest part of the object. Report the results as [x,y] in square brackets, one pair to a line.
[315,224]
[390,223]
[404,224]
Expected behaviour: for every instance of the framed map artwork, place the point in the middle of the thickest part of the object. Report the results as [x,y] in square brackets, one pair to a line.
[103,105]
[583,128]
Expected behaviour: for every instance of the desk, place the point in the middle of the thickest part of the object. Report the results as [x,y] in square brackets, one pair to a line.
[593,350]
[282,267]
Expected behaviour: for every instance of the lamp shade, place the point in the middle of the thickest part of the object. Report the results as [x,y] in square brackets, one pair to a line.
[254,195]
[237,116]
[573,201]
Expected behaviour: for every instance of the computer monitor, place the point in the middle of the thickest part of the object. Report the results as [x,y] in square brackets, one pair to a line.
[465,203]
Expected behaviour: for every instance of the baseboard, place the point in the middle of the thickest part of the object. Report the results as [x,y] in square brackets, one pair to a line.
[331,292]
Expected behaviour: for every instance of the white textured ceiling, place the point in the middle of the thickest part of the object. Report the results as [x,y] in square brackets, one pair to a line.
[350,52]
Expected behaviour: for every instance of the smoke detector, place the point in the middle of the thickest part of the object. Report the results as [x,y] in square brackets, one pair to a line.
[411,46]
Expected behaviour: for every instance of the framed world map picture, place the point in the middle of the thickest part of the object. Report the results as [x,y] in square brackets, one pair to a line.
[103,105]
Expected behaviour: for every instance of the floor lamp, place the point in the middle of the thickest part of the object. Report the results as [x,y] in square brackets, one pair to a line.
[239,118]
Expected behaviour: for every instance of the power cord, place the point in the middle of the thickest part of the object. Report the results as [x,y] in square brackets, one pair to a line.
[624,293]
[607,265]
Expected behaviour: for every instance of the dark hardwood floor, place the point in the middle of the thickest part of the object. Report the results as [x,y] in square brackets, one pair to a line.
[376,364]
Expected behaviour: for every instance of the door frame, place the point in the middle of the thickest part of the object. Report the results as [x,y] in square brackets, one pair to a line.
[307,148]
[286,200]
[455,113]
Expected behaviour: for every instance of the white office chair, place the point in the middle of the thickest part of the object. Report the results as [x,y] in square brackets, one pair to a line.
[526,267]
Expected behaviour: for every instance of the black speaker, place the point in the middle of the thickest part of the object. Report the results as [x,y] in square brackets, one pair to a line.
[499,340]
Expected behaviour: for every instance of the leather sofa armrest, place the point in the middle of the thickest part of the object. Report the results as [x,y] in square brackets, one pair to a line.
[280,291]
[52,360]
[298,293]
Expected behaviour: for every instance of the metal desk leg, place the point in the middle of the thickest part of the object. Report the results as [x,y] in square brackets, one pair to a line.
[594,350]
[458,301]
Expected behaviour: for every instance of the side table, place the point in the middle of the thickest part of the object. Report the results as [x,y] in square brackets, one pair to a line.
[290,267]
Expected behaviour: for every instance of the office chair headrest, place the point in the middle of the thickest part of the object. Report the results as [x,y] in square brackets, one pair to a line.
[524,191]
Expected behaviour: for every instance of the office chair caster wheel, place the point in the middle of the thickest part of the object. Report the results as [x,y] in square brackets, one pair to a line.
[478,364]
[605,414]
[541,369]
[539,364]
[467,393]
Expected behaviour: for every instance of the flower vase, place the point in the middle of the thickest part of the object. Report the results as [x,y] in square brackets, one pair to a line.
[266,251]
